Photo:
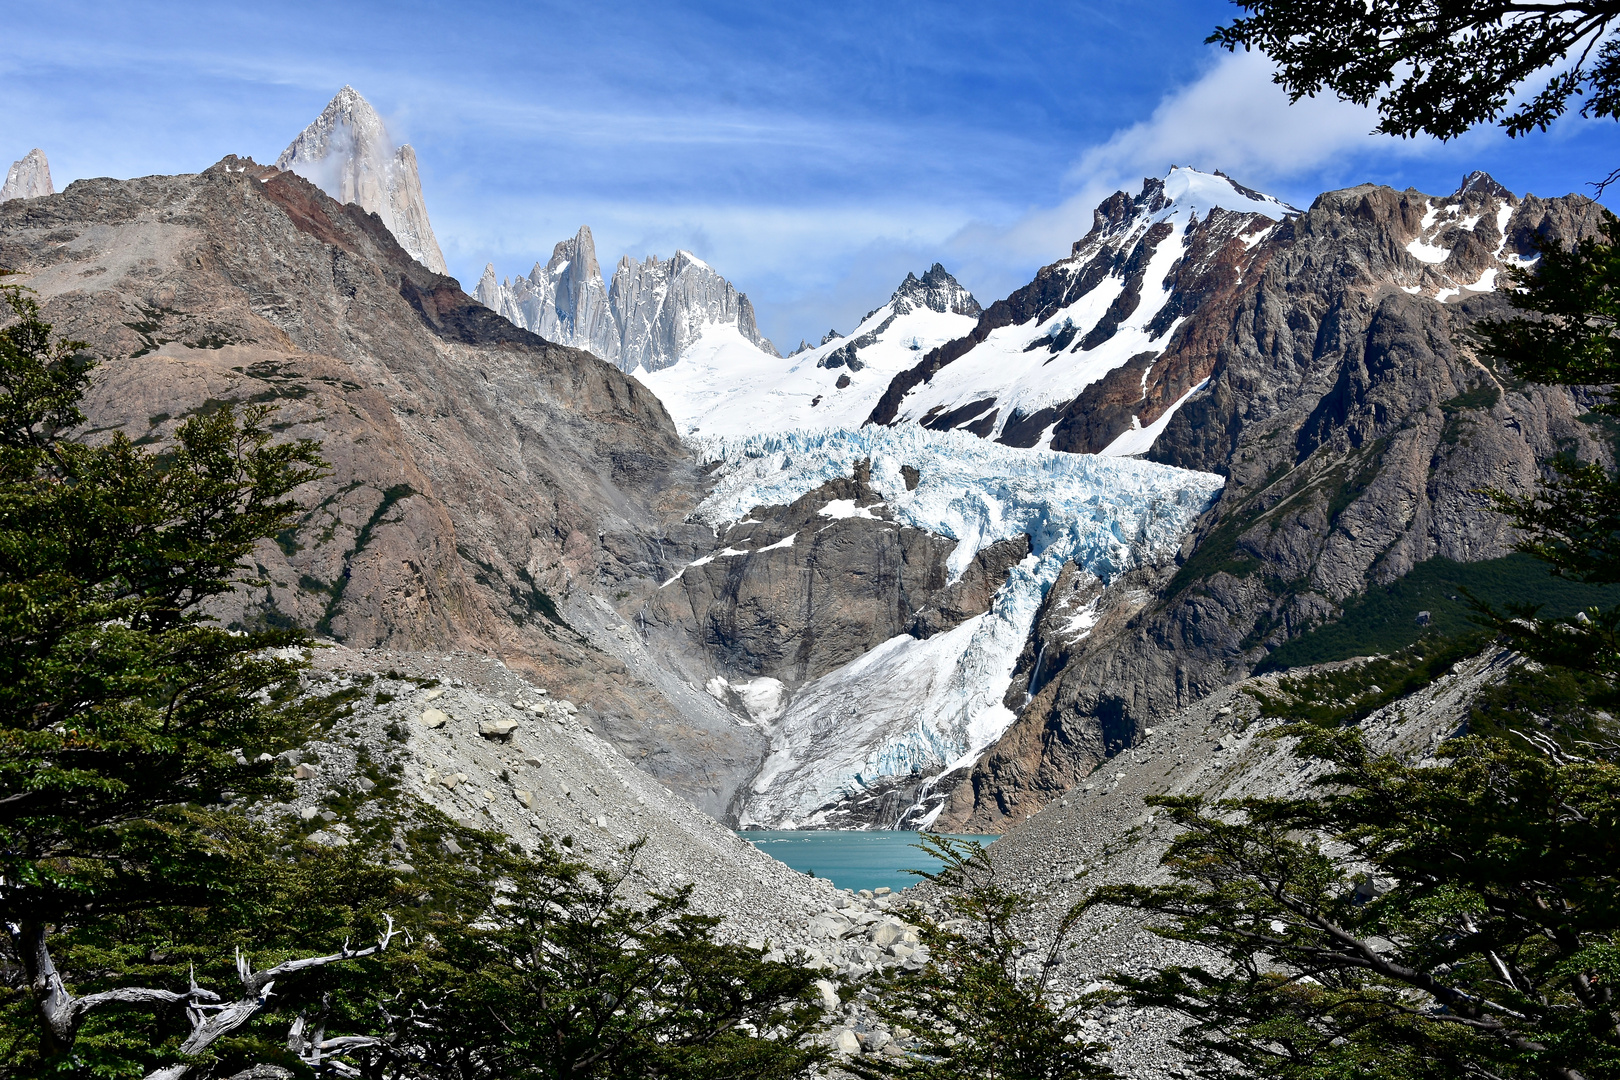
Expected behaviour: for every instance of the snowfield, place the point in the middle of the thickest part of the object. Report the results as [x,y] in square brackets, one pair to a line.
[725,386]
[928,706]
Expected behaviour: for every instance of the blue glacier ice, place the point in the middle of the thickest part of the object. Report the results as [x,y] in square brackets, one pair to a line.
[936,704]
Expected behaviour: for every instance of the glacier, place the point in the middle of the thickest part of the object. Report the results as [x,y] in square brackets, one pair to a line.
[920,708]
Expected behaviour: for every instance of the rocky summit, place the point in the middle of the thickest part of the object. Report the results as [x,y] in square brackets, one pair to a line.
[29,178]
[652,314]
[722,387]
[346,151]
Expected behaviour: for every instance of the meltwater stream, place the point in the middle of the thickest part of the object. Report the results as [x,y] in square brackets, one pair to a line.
[852,858]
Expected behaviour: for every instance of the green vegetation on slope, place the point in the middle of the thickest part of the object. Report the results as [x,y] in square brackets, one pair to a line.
[1384,618]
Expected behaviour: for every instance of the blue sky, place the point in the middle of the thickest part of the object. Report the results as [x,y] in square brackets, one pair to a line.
[813,153]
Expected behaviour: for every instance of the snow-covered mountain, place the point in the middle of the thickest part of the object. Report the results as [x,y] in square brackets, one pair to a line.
[348,154]
[722,386]
[28,178]
[654,312]
[1115,303]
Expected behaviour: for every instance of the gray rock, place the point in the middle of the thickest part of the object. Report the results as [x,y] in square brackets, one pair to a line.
[28,178]
[347,151]
[827,995]
[888,932]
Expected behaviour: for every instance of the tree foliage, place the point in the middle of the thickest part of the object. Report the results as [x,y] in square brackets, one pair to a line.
[1440,67]
[987,1005]
[1461,919]
[122,709]
[558,974]
[155,928]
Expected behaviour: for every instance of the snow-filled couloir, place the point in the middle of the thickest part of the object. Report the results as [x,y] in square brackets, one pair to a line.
[913,708]
[1115,303]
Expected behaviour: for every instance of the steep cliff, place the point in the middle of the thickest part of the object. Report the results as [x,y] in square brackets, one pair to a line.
[564,301]
[28,178]
[651,315]
[664,306]
[484,484]
[346,152]
[1340,392]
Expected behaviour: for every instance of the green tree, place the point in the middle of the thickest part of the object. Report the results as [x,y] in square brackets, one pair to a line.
[1440,67]
[557,973]
[987,1005]
[124,711]
[1459,919]
[1571,301]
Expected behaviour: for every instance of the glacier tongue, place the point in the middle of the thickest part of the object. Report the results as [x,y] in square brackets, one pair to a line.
[920,708]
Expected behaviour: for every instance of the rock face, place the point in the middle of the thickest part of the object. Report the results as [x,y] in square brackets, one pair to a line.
[1357,426]
[739,391]
[1097,348]
[564,301]
[347,153]
[653,312]
[28,178]
[483,482]
[663,307]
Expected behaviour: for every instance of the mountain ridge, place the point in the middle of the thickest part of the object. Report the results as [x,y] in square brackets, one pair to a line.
[645,319]
[1341,396]
[721,388]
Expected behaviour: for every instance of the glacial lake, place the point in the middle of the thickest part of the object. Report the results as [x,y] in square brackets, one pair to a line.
[851,858]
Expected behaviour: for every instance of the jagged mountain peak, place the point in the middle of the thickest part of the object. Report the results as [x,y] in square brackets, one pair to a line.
[28,178]
[576,254]
[1182,191]
[653,311]
[936,290]
[731,391]
[347,152]
[1480,182]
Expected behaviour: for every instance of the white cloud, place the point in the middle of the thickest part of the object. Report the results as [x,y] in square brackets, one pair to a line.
[1232,118]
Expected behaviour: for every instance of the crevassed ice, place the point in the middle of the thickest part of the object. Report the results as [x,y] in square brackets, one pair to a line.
[932,705]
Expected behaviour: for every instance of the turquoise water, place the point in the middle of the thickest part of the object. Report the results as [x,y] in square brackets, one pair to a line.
[851,859]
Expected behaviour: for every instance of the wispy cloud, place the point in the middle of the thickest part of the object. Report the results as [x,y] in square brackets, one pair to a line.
[813,154]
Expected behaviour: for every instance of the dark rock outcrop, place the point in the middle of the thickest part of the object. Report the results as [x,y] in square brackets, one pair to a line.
[801,594]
